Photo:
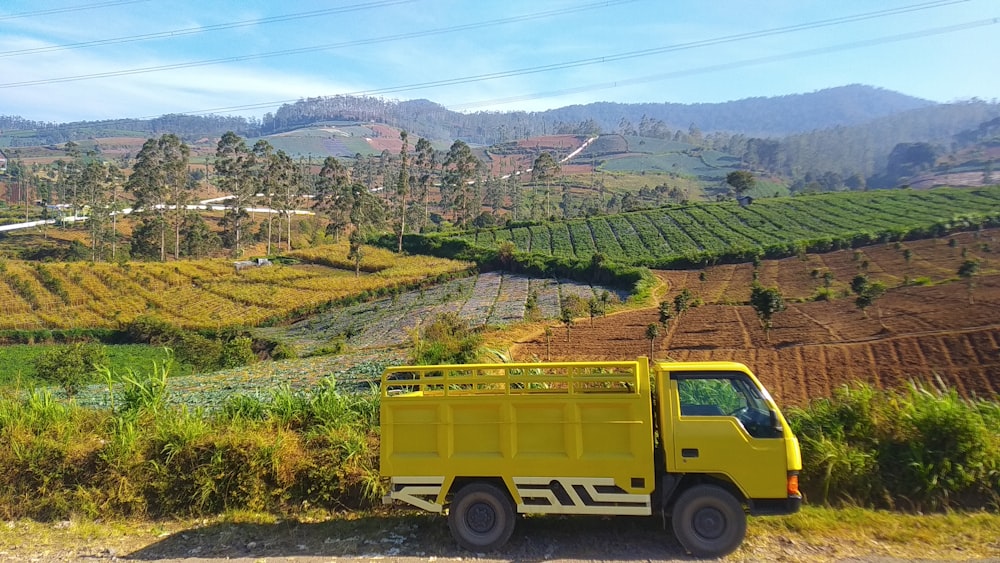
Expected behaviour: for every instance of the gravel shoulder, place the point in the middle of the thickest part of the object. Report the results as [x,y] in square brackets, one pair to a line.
[405,537]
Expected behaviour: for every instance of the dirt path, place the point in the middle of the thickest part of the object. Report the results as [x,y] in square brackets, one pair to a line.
[422,537]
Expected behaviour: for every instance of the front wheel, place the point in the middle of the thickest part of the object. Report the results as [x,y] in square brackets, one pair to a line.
[481,517]
[709,521]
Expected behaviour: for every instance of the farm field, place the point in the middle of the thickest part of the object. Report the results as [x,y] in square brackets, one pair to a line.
[200,293]
[930,334]
[492,299]
[352,372]
[704,233]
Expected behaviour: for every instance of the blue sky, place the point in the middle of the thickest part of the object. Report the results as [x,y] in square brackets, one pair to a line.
[247,57]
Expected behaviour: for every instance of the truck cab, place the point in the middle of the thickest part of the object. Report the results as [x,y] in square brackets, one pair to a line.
[724,445]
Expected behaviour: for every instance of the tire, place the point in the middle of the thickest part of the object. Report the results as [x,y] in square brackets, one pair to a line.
[481,517]
[709,521]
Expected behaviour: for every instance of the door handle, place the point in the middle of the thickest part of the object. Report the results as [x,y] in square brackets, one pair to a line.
[689,452]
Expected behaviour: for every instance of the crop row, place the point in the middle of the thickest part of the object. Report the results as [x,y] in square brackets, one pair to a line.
[699,232]
[195,294]
[489,299]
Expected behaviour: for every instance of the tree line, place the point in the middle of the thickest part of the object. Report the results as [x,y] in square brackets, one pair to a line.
[419,189]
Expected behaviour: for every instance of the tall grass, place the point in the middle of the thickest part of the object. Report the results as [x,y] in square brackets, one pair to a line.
[916,449]
[142,457]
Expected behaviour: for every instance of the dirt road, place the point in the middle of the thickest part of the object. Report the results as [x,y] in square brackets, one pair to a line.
[411,537]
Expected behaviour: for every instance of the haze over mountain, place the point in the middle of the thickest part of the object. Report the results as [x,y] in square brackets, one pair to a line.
[847,131]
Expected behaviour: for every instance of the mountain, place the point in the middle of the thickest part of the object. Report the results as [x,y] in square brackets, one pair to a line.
[840,133]
[756,117]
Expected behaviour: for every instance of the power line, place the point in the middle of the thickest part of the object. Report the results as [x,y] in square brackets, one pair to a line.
[286,52]
[70,9]
[647,52]
[633,54]
[205,29]
[627,81]
[733,65]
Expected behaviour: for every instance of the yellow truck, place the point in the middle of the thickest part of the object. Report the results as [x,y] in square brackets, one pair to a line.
[703,443]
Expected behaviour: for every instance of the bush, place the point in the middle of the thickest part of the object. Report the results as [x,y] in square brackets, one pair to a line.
[918,449]
[447,339]
[238,352]
[72,366]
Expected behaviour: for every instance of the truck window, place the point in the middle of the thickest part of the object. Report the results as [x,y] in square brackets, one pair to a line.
[726,394]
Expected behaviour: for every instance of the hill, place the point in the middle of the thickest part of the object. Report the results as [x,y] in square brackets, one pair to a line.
[778,116]
[761,117]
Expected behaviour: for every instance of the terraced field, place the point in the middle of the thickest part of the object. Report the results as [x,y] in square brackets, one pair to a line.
[931,334]
[708,233]
[197,294]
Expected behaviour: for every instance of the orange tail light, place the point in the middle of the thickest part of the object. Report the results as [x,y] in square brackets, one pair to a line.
[793,485]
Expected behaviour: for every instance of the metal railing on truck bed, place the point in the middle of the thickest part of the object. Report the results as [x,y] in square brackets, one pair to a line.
[566,378]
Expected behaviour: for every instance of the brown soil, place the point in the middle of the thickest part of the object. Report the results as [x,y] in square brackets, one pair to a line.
[937,334]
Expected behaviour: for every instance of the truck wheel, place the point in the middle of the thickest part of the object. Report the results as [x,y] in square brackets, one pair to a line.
[481,517]
[709,521]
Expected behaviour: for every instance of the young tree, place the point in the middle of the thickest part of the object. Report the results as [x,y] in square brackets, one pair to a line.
[234,175]
[355,251]
[859,283]
[827,279]
[682,301]
[652,333]
[766,301]
[403,187]
[333,195]
[116,180]
[867,297]
[741,181]
[544,170]
[94,193]
[287,186]
[366,213]
[425,162]
[265,177]
[458,192]
[197,240]
[594,308]
[566,317]
[665,315]
[179,186]
[967,271]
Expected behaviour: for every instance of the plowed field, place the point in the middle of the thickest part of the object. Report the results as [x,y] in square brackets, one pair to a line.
[926,333]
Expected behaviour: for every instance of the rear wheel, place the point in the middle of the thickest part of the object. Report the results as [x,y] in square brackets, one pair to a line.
[481,517]
[709,521]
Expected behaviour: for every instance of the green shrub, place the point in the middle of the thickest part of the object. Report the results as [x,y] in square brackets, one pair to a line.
[447,339]
[71,366]
[238,352]
[283,351]
[204,353]
[917,448]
